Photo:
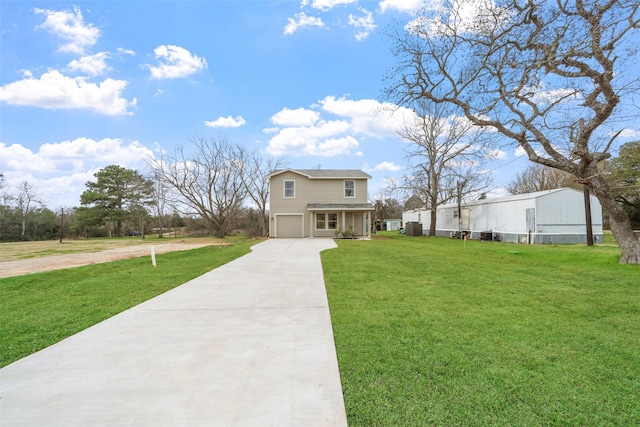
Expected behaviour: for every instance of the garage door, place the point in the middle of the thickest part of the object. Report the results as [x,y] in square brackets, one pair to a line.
[288,226]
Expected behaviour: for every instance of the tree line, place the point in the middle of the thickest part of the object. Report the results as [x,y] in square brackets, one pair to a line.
[209,185]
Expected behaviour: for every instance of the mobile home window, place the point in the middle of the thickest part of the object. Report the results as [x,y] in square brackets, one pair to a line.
[349,188]
[289,189]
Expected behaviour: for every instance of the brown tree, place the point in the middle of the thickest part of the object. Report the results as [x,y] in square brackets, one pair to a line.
[26,197]
[255,177]
[539,178]
[549,76]
[623,175]
[446,153]
[207,180]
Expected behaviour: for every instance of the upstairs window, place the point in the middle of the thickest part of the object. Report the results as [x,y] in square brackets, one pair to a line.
[349,188]
[289,189]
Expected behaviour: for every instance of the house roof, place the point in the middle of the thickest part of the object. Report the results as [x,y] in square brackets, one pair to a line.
[325,173]
[340,207]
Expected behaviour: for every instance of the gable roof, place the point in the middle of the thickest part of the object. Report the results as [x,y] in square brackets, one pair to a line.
[325,173]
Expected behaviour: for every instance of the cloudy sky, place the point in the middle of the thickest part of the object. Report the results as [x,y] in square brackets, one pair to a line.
[93,83]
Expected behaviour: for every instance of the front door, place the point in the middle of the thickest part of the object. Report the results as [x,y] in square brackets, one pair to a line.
[531,220]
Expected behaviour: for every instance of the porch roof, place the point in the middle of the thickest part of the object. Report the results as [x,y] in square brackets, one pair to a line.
[340,207]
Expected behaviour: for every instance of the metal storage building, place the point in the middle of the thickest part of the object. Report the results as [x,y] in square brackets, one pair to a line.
[392,224]
[553,216]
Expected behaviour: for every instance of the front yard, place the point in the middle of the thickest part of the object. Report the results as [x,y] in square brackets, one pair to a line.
[442,332]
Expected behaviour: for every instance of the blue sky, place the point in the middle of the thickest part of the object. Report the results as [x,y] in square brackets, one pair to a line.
[87,84]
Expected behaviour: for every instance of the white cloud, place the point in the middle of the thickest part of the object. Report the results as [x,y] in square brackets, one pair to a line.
[405,6]
[175,62]
[541,94]
[496,154]
[303,131]
[629,133]
[336,146]
[93,65]
[302,20]
[368,116]
[56,91]
[297,117]
[519,152]
[60,170]
[461,16]
[71,27]
[124,51]
[321,139]
[364,25]
[386,166]
[325,5]
[226,122]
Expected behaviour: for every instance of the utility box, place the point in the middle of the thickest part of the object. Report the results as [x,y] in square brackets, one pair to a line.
[413,229]
[486,235]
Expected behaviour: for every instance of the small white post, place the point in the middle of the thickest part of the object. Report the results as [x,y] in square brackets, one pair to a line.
[153,255]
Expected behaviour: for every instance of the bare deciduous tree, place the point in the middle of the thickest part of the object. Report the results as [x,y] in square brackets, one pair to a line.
[255,176]
[26,197]
[539,178]
[207,181]
[446,151]
[549,76]
[159,197]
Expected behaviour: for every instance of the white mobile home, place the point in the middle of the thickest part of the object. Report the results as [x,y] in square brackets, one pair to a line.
[553,216]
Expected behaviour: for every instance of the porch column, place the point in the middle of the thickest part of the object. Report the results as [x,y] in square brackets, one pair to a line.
[311,225]
[344,221]
[367,223]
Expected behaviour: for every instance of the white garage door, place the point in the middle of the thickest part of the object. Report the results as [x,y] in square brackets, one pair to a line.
[289,226]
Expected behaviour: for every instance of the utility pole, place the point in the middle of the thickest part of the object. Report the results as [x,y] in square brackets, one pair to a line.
[587,211]
[460,208]
[61,223]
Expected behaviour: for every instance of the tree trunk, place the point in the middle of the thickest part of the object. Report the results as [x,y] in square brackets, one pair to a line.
[264,230]
[621,228]
[432,223]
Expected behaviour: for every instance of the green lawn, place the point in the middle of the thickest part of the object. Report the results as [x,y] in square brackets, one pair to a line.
[439,332]
[38,310]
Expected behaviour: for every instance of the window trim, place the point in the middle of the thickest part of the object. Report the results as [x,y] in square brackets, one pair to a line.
[284,188]
[344,186]
[326,221]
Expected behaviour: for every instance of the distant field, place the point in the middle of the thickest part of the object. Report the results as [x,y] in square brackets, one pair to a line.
[13,251]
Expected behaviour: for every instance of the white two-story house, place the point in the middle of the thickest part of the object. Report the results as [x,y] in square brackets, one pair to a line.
[319,203]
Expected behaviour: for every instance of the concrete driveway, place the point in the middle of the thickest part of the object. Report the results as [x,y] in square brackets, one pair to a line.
[247,344]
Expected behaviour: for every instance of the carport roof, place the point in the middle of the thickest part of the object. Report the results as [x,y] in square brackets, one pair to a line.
[340,207]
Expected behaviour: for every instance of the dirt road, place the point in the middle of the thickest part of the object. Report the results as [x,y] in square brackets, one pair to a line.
[58,262]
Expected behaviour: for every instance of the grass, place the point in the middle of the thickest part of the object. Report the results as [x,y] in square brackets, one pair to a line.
[38,310]
[436,332]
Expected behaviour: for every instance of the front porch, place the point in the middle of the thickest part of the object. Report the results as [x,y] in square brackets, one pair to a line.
[329,220]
